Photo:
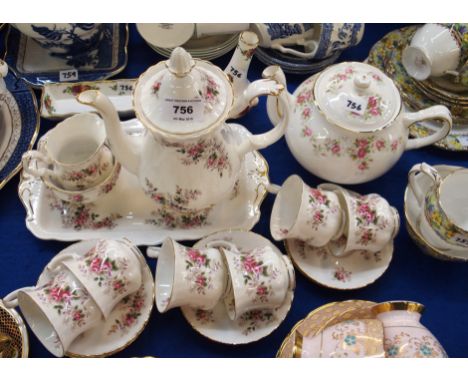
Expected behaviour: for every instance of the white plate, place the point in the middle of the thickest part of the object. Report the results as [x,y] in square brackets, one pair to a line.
[127,212]
[126,321]
[413,211]
[251,326]
[356,270]
[59,100]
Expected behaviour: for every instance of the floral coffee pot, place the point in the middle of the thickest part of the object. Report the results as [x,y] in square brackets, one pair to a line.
[347,123]
[190,158]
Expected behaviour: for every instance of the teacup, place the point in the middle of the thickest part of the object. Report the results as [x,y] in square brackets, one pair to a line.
[370,224]
[57,312]
[74,154]
[260,278]
[188,277]
[434,51]
[305,213]
[347,339]
[445,205]
[69,39]
[109,271]
[319,40]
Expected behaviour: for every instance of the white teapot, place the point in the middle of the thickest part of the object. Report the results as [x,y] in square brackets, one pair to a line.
[190,158]
[347,123]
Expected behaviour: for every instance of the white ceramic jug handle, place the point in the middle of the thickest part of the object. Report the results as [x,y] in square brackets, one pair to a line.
[424,168]
[38,157]
[223,244]
[256,142]
[298,53]
[433,112]
[11,299]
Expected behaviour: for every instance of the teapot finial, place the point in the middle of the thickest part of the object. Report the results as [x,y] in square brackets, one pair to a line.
[180,63]
[362,81]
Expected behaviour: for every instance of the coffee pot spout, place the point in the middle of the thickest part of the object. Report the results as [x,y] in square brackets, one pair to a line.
[120,144]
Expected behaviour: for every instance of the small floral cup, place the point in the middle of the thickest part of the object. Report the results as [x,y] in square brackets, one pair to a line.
[371,223]
[110,271]
[305,213]
[74,154]
[188,277]
[260,278]
[57,312]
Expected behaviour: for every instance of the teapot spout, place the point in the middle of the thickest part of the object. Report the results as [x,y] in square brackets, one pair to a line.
[237,70]
[120,144]
[274,110]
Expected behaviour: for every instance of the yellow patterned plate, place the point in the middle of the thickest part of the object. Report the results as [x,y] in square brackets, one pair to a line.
[322,317]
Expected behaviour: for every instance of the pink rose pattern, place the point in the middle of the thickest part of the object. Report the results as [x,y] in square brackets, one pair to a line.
[257,276]
[92,171]
[367,220]
[199,270]
[319,208]
[67,302]
[341,274]
[129,312]
[105,272]
[211,152]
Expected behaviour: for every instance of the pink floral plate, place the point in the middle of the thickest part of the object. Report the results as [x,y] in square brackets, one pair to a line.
[249,327]
[356,270]
[124,210]
[126,321]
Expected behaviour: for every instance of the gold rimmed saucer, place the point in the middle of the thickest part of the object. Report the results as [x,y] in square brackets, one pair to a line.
[326,315]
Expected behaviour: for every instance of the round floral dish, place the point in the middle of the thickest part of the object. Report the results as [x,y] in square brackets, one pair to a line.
[126,321]
[386,55]
[249,327]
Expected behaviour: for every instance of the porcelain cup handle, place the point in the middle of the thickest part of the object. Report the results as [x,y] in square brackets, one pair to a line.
[38,157]
[268,87]
[222,244]
[434,112]
[273,188]
[11,299]
[58,259]
[424,168]
[153,252]
[312,46]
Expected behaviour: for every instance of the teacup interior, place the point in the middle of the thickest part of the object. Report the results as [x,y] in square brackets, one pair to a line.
[40,324]
[454,198]
[165,275]
[286,207]
[76,139]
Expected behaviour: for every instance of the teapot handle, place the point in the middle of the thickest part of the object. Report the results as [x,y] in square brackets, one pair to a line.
[268,87]
[424,168]
[433,112]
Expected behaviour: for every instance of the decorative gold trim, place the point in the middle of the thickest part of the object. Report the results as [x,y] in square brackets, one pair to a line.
[297,348]
[409,306]
[32,140]
[21,327]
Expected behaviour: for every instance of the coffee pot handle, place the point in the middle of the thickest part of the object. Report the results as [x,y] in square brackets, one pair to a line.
[434,112]
[268,87]
[37,156]
[427,170]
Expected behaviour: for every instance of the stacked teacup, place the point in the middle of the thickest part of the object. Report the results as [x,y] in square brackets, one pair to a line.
[257,279]
[82,291]
[74,161]
[332,217]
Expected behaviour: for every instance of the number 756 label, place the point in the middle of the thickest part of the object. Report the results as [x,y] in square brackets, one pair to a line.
[190,110]
[355,105]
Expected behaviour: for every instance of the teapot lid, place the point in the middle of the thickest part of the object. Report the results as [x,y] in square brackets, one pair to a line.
[357,97]
[182,96]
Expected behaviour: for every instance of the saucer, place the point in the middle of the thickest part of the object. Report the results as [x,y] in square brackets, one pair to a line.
[19,119]
[251,326]
[412,212]
[326,315]
[126,321]
[356,270]
[59,100]
[386,55]
[127,212]
[37,66]
[13,326]
[293,64]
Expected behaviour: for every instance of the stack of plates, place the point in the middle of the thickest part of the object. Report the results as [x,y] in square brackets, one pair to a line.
[205,48]
[292,64]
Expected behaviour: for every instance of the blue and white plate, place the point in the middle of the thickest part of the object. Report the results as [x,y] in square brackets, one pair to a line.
[19,120]
[38,66]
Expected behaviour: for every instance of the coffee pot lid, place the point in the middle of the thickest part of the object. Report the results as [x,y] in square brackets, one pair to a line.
[182,96]
[357,97]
